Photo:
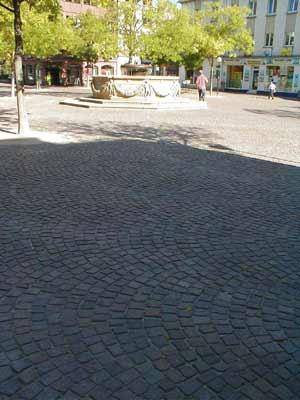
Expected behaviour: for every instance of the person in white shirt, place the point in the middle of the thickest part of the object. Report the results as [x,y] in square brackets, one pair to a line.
[272,90]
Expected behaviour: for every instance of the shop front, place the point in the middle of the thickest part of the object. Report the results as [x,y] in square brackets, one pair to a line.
[255,74]
[64,71]
[55,71]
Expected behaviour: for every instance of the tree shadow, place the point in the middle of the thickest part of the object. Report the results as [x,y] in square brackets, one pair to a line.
[191,135]
[8,118]
[96,130]
[58,93]
[55,91]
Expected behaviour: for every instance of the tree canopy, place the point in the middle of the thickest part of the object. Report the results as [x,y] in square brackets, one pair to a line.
[96,37]
[224,31]
[6,35]
[169,34]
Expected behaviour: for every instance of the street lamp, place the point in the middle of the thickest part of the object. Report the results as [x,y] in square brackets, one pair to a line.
[219,60]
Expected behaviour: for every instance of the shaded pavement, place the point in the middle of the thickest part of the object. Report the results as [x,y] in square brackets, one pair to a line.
[135,270]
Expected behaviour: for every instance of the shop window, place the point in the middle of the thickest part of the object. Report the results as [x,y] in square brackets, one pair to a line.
[253,6]
[235,76]
[272,6]
[282,76]
[269,39]
[290,39]
[293,5]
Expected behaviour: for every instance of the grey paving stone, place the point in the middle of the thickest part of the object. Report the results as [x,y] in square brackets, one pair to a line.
[5,373]
[190,386]
[147,270]
[10,387]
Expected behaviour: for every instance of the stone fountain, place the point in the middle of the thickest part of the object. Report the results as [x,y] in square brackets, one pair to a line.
[140,88]
[137,92]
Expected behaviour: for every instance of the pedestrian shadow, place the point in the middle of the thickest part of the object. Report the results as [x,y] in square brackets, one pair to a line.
[276,113]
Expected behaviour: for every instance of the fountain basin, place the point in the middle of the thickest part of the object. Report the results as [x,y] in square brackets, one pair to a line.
[158,88]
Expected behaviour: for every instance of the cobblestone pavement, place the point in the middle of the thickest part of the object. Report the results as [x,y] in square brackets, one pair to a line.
[146,270]
[135,270]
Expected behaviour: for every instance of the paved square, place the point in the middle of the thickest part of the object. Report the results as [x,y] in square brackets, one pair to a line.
[149,269]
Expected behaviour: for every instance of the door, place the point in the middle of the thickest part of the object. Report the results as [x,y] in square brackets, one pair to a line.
[53,72]
[255,79]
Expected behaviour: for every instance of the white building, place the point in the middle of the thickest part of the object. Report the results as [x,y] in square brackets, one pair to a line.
[275,26]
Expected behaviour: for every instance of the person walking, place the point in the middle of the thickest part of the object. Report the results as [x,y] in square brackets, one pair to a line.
[272,90]
[201,83]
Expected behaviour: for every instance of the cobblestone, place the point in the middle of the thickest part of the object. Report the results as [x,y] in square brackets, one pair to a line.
[144,270]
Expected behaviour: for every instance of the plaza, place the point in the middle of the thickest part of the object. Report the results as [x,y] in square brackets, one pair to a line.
[150,254]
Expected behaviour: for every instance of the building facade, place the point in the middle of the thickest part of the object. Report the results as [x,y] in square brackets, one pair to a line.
[275,27]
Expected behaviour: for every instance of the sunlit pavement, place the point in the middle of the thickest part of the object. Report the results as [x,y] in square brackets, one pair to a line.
[252,126]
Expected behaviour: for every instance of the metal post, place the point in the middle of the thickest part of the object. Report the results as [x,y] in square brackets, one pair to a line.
[218,71]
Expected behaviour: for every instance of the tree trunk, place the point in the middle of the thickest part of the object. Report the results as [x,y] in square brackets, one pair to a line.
[38,76]
[154,69]
[211,77]
[130,57]
[18,65]
[12,88]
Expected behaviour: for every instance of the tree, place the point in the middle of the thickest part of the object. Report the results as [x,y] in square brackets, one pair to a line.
[15,8]
[45,36]
[169,35]
[133,18]
[6,43]
[224,31]
[96,37]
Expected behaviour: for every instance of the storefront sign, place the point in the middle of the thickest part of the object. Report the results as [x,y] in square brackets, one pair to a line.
[286,61]
[286,51]
[255,63]
[235,61]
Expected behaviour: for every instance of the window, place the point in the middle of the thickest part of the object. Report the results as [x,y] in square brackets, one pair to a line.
[235,2]
[269,39]
[293,5]
[290,39]
[252,6]
[272,6]
[30,72]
